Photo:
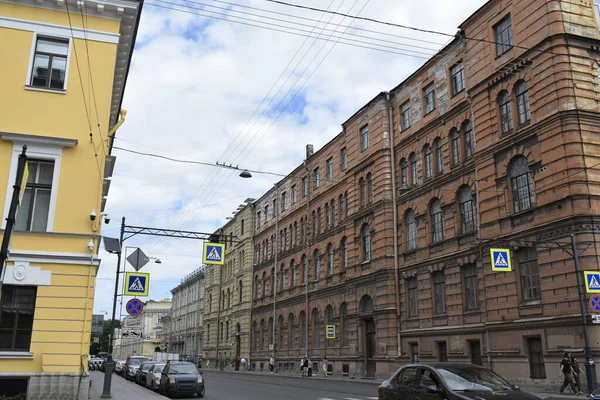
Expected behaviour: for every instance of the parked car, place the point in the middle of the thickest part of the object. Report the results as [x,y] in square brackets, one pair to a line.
[131,365]
[119,366]
[181,378]
[142,371]
[153,376]
[448,381]
[94,363]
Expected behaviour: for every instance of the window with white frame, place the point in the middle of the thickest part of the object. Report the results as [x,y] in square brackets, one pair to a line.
[35,206]
[49,67]
[429,98]
[329,171]
[523,102]
[405,115]
[316,178]
[458,78]
[364,138]
[304,187]
[343,159]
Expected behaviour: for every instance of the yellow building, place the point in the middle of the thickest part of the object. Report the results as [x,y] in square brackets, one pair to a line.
[63,72]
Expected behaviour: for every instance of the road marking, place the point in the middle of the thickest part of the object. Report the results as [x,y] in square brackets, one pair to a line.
[325,398]
[373,398]
[350,398]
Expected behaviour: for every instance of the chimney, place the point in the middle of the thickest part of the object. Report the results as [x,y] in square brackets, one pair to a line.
[310,150]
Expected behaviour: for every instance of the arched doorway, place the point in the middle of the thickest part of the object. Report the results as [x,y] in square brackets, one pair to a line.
[369,334]
[238,346]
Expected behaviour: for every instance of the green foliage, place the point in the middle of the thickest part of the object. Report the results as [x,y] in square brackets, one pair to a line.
[95,348]
[20,396]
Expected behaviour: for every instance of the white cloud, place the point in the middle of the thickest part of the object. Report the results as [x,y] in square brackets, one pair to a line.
[192,87]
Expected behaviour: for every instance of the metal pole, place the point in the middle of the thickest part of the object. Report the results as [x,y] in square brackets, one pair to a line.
[590,366]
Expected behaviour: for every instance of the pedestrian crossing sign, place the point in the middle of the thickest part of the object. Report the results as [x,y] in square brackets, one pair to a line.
[137,284]
[330,331]
[214,253]
[500,260]
[592,281]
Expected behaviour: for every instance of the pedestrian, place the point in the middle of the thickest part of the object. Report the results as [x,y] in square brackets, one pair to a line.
[207,363]
[324,366]
[305,367]
[566,370]
[222,364]
[309,368]
[243,362]
[302,367]
[576,374]
[272,364]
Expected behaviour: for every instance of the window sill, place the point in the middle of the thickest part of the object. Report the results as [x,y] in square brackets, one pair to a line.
[471,312]
[501,54]
[17,355]
[457,93]
[427,113]
[47,90]
[530,303]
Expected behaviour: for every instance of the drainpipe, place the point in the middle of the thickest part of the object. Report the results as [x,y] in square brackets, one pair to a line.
[395,218]
[307,247]
[276,247]
[113,130]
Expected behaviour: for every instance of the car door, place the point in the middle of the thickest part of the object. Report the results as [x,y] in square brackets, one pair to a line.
[427,381]
[164,378]
[405,384]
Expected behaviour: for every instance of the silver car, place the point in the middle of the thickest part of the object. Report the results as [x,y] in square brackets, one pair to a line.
[119,366]
[153,376]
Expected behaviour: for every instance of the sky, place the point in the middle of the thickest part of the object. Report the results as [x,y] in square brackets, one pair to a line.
[234,86]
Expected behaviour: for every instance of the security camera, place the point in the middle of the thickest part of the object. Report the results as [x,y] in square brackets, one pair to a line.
[93,215]
[90,245]
[106,219]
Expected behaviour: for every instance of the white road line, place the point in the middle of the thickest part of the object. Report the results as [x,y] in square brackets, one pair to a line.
[373,398]
[350,398]
[325,398]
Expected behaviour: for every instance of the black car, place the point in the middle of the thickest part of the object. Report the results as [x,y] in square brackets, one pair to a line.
[131,366]
[448,381]
[142,372]
[181,378]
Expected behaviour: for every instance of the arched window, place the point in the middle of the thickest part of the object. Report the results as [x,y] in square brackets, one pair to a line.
[467,209]
[256,292]
[293,273]
[411,230]
[271,333]
[506,121]
[369,188]
[223,300]
[281,333]
[285,239]
[255,336]
[332,211]
[317,264]
[329,259]
[366,304]
[295,240]
[523,102]
[344,323]
[318,220]
[210,303]
[341,208]
[282,278]
[272,282]
[302,230]
[428,157]
[228,298]
[330,316]
[327,216]
[404,173]
[467,129]
[304,261]
[264,283]
[292,331]
[455,145]
[303,338]
[344,255]
[413,169]
[263,334]
[226,330]
[521,184]
[439,155]
[240,291]
[437,221]
[361,191]
[316,329]
[366,242]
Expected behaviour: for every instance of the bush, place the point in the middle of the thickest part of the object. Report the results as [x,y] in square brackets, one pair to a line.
[20,396]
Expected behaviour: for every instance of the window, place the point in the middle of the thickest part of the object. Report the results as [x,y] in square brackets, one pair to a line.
[281,278]
[467,129]
[366,242]
[283,201]
[439,156]
[443,352]
[327,216]
[319,220]
[405,116]
[475,347]
[439,289]
[264,284]
[529,270]
[294,195]
[437,221]
[258,220]
[329,170]
[16,317]
[411,230]
[467,210]
[342,207]
[471,287]
[273,288]
[429,98]
[504,36]
[344,247]
[361,191]
[242,227]
[332,211]
[403,173]
[455,143]
[316,178]
[317,265]
[304,269]
[369,188]
[292,330]
[343,159]
[240,291]
[281,332]
[35,207]
[304,187]
[344,323]
[537,368]
[413,301]
[303,342]
[414,350]
[364,138]
[266,214]
[521,184]
[262,334]
[330,317]
[428,161]
[302,229]
[413,169]
[597,8]
[523,102]
[506,121]
[274,210]
[316,329]
[458,78]
[329,259]
[50,63]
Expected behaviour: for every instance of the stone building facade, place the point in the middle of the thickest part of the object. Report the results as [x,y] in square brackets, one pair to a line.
[186,319]
[494,145]
[228,291]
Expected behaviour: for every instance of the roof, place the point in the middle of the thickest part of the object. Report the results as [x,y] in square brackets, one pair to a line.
[476,13]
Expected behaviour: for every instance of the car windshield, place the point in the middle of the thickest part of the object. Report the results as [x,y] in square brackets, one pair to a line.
[472,379]
[137,361]
[183,369]
[146,366]
[158,368]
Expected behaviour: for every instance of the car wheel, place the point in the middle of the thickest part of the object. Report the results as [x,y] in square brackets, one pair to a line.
[201,394]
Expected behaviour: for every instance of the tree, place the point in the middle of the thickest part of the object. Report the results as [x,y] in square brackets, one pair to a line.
[95,348]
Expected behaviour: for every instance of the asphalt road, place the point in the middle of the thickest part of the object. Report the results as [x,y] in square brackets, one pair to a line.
[225,385]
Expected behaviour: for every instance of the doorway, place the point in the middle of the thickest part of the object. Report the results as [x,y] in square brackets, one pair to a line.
[370,347]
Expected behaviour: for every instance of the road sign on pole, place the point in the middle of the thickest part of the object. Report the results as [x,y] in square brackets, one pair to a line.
[592,281]
[500,260]
[137,284]
[134,307]
[330,331]
[214,253]
[138,259]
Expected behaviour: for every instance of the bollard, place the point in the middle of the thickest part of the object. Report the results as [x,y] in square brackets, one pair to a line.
[109,366]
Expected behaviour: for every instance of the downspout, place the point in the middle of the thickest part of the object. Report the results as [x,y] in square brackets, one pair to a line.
[113,130]
[276,247]
[251,332]
[306,245]
[395,218]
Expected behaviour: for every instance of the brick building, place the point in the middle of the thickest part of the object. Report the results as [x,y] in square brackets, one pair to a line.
[494,145]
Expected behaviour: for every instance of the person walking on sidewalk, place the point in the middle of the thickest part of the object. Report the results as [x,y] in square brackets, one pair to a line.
[305,367]
[566,370]
[324,366]
[302,366]
[272,364]
[576,374]
[243,362]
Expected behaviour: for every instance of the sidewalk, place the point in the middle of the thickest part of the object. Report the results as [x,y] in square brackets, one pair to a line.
[120,389]
[545,395]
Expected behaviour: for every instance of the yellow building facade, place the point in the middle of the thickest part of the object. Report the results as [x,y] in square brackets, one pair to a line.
[63,73]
